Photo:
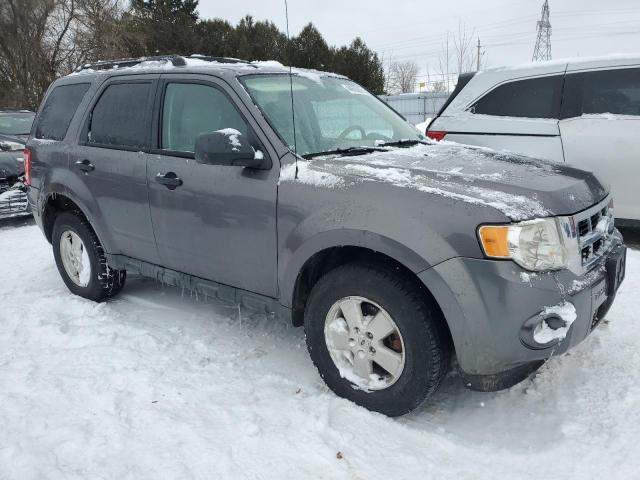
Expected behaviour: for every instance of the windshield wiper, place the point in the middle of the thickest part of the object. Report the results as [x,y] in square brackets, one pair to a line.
[349,151]
[402,143]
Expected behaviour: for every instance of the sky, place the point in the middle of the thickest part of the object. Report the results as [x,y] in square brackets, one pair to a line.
[417,30]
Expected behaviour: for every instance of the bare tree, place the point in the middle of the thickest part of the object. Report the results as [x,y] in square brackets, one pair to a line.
[403,76]
[444,63]
[100,30]
[461,50]
[464,49]
[387,62]
[36,45]
[41,40]
[439,86]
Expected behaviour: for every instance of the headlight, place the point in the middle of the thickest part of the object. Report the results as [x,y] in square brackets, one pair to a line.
[535,245]
[7,146]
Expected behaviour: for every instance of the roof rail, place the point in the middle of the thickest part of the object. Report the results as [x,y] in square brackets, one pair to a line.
[208,58]
[176,60]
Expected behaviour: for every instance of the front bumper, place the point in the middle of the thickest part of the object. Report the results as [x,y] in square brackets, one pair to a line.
[491,308]
[13,200]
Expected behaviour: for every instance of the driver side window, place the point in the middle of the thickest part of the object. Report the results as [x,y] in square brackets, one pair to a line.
[192,109]
[350,117]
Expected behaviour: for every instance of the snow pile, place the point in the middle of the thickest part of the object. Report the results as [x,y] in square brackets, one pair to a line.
[422,126]
[157,385]
[528,277]
[545,334]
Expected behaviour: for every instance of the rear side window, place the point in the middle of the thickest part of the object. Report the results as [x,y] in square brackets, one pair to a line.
[119,119]
[531,98]
[192,109]
[58,110]
[611,91]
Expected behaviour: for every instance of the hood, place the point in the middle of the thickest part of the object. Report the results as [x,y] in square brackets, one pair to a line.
[11,164]
[15,138]
[521,188]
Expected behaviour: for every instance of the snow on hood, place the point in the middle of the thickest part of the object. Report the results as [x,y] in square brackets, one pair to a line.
[519,187]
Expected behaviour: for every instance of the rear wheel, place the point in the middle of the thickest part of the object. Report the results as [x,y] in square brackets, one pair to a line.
[374,338]
[81,260]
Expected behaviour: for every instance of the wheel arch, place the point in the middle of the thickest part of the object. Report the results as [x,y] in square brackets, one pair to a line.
[327,259]
[55,203]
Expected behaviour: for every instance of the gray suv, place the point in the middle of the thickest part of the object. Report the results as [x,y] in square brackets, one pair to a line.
[299,193]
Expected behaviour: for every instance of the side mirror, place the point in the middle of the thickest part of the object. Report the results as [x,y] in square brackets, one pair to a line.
[227,147]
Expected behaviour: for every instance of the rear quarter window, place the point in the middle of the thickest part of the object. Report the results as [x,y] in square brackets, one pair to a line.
[615,92]
[58,110]
[530,98]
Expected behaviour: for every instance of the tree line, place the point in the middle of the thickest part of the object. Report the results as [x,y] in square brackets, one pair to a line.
[41,40]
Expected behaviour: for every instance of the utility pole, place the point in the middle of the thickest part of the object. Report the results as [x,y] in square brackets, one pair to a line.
[479,53]
[542,50]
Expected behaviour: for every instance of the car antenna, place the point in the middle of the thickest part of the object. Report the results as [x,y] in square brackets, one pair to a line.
[293,113]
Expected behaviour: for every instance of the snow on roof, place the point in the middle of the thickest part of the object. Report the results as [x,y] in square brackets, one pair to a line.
[199,62]
[560,62]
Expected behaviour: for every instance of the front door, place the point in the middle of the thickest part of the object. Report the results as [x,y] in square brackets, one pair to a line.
[210,221]
[110,161]
[600,125]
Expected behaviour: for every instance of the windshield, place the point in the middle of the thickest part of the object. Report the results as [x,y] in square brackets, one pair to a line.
[330,113]
[16,124]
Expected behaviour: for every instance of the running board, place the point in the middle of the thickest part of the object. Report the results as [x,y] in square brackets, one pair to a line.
[208,288]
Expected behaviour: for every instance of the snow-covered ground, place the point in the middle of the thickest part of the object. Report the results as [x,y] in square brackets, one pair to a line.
[158,385]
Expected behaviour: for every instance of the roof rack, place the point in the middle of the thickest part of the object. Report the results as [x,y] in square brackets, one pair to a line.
[176,60]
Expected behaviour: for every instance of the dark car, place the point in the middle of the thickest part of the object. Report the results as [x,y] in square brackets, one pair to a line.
[394,252]
[14,131]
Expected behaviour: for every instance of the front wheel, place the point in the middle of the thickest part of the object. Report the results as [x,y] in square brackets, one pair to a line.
[375,339]
[81,260]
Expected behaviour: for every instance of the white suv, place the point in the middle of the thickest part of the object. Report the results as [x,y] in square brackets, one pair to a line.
[582,111]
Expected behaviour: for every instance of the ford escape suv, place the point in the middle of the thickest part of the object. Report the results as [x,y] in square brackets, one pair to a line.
[300,193]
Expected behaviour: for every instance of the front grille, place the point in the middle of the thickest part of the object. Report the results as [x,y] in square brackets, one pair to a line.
[13,200]
[5,185]
[592,234]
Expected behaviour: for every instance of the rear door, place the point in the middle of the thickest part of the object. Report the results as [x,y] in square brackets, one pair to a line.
[219,222]
[600,129]
[519,115]
[110,161]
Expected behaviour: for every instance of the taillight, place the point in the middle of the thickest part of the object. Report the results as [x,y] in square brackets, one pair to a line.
[26,155]
[436,135]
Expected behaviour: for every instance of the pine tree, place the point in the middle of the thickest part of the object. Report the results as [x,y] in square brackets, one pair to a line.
[167,26]
[361,65]
[310,50]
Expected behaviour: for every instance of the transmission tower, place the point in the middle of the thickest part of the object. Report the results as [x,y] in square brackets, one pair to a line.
[542,51]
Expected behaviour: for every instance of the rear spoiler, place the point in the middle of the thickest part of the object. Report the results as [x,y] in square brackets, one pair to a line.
[463,79]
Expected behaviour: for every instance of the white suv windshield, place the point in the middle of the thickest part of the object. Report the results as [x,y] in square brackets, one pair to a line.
[330,113]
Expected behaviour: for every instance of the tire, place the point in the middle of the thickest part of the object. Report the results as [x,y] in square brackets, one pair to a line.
[425,345]
[100,282]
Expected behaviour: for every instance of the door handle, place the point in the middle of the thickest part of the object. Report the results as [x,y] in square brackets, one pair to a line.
[169,180]
[85,165]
